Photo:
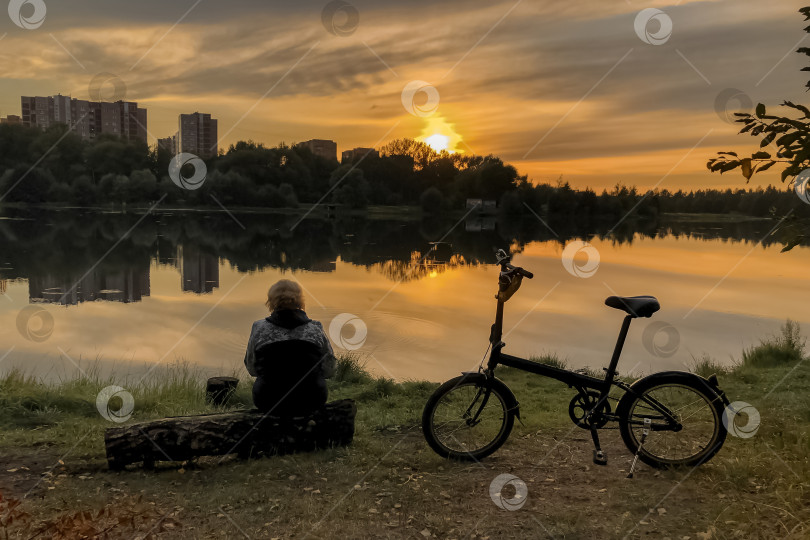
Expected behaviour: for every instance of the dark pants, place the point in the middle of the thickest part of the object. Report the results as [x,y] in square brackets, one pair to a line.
[281,400]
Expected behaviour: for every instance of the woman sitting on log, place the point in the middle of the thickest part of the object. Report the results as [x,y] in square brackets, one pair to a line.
[289,354]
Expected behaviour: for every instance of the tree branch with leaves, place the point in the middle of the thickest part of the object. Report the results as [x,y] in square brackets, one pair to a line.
[791,136]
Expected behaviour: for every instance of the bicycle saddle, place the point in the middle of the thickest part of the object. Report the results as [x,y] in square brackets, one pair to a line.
[636,306]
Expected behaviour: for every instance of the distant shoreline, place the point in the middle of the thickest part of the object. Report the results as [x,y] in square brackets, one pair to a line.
[372,211]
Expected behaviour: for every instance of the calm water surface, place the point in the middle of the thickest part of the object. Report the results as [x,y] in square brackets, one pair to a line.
[187,286]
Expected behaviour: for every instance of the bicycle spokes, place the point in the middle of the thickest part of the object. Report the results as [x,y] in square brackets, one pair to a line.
[467,420]
[680,422]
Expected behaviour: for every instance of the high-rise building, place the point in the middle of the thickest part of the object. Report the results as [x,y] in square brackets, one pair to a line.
[169,144]
[357,153]
[88,119]
[321,147]
[197,135]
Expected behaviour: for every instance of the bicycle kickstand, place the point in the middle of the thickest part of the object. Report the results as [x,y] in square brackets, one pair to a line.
[644,432]
[599,457]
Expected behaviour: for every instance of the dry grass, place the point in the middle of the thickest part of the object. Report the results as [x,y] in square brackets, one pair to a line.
[388,484]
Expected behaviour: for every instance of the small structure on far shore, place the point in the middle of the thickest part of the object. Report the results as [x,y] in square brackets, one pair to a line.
[482,206]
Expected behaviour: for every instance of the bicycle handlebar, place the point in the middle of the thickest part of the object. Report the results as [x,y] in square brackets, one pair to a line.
[518,270]
[504,259]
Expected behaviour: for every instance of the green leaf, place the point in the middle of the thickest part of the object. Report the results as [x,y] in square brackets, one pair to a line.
[761,155]
[760,110]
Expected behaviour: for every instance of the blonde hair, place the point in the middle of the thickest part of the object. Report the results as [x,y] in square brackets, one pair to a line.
[285,294]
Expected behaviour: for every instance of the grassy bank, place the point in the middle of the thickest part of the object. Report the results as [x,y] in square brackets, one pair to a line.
[389,484]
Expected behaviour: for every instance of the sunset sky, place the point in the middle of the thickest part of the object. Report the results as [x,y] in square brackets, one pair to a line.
[555,88]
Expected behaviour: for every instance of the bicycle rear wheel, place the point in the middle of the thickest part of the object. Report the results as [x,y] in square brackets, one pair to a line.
[468,418]
[685,415]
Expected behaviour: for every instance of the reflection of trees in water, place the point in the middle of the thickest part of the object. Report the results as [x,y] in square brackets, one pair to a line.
[419,266]
[66,244]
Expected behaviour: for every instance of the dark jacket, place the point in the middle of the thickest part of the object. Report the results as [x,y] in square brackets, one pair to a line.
[291,357]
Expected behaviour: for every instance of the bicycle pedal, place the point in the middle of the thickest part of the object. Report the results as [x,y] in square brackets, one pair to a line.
[599,457]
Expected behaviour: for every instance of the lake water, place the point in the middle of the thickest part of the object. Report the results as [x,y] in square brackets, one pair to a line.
[134,291]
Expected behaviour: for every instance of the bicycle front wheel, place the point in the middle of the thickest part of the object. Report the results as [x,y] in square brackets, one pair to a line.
[685,416]
[468,418]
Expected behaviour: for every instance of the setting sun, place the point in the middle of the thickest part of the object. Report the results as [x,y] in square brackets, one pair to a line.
[438,141]
[440,135]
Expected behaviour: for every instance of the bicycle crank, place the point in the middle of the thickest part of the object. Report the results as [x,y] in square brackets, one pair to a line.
[587,412]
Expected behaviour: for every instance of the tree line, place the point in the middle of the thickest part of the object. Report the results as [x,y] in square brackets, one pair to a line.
[57,166]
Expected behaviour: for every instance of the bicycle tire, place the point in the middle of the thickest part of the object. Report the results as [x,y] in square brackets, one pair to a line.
[499,419]
[688,397]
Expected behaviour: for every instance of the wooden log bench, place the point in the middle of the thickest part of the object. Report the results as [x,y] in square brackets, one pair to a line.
[247,433]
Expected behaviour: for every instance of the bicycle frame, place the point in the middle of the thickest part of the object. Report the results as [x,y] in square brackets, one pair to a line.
[576,380]
[579,381]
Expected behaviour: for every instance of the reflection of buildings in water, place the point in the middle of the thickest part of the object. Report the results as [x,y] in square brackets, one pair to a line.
[3,285]
[166,253]
[124,286]
[200,271]
[439,258]
[323,266]
[479,223]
